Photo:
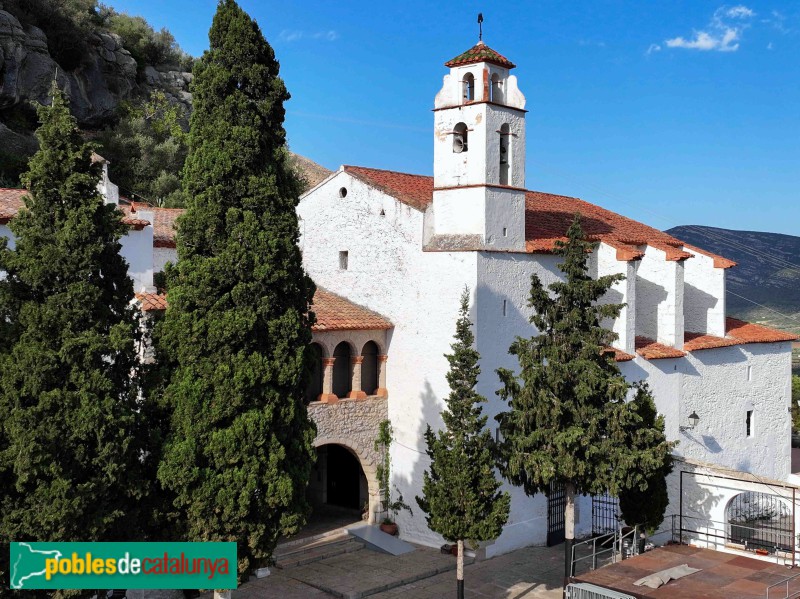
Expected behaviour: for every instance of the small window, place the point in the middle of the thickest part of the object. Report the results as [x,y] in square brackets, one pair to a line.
[504,307]
[342,192]
[343,260]
[749,423]
[460,133]
[383,213]
[749,373]
[505,232]
[468,88]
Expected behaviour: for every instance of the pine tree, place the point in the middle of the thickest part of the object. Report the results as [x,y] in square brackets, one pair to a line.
[237,331]
[70,419]
[461,495]
[569,422]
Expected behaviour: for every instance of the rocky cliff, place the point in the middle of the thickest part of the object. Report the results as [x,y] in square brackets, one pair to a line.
[106,76]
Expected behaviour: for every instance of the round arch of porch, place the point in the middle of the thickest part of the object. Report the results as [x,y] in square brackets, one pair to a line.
[368,466]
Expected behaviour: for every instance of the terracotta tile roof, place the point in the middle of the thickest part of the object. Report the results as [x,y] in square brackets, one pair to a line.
[652,350]
[547,218]
[414,190]
[480,52]
[152,301]
[698,341]
[10,203]
[164,226]
[334,313]
[619,355]
[746,332]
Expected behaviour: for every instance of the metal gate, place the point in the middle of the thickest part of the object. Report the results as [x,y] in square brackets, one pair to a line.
[760,521]
[556,504]
[605,514]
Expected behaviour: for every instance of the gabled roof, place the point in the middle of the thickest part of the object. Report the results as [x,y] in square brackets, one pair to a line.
[547,218]
[163,222]
[480,52]
[333,312]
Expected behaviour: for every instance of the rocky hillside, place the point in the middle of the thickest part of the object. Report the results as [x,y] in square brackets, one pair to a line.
[103,75]
[767,272]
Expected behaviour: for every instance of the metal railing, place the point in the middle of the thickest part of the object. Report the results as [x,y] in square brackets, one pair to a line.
[772,590]
[612,543]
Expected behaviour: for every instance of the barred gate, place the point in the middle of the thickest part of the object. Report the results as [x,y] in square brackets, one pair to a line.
[605,514]
[760,521]
[556,504]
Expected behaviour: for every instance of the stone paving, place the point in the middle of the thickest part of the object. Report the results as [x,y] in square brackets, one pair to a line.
[531,573]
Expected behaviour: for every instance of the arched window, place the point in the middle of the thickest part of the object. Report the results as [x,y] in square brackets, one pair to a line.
[369,368]
[460,138]
[505,154]
[468,88]
[342,381]
[496,89]
[314,388]
[761,521]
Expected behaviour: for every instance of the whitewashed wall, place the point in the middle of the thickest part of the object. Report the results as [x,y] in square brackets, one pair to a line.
[659,298]
[703,296]
[418,292]
[137,249]
[163,255]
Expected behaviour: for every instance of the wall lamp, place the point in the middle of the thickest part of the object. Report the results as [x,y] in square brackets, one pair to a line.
[693,420]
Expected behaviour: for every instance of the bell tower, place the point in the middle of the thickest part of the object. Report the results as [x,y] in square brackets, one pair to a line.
[479,151]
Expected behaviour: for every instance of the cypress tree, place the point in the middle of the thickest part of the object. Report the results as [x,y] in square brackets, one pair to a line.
[237,331]
[70,418]
[569,422]
[461,495]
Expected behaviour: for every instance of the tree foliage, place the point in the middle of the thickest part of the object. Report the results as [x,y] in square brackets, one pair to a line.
[569,422]
[147,149]
[237,332]
[461,495]
[70,420]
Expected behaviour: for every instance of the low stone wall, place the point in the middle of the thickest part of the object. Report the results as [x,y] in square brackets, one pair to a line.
[353,423]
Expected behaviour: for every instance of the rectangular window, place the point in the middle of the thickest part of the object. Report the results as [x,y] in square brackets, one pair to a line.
[505,232]
[504,307]
[749,373]
[343,260]
[749,423]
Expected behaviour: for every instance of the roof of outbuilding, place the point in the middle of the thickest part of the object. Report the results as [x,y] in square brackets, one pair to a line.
[333,312]
[163,222]
[652,350]
[480,52]
[547,218]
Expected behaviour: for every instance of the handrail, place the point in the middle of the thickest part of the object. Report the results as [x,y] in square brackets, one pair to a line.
[786,584]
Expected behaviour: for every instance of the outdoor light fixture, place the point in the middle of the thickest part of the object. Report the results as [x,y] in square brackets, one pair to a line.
[693,420]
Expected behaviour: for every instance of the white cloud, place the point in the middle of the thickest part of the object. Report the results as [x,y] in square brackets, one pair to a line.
[769,46]
[722,34]
[294,35]
[653,48]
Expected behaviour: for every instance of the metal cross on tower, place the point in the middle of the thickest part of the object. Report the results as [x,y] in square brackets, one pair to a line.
[480,26]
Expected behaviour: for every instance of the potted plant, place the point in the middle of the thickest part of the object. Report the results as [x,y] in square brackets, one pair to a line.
[391,508]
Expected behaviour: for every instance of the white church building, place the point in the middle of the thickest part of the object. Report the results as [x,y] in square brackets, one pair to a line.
[391,253]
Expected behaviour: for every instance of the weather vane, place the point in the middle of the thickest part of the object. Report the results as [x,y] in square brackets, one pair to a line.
[480,26]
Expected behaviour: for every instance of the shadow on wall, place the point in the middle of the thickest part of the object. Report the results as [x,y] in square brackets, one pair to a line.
[697,302]
[649,296]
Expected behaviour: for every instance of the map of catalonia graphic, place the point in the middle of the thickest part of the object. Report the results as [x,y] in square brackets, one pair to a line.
[29,564]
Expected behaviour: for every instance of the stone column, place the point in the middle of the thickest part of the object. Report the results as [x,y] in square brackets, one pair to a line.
[327,395]
[355,373]
[381,391]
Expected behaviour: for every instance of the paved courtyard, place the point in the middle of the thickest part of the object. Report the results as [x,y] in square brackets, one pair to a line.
[531,573]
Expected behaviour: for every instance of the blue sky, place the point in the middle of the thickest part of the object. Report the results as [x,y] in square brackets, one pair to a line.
[670,112]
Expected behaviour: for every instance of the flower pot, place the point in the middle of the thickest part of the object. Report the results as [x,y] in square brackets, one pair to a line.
[762,552]
[389,529]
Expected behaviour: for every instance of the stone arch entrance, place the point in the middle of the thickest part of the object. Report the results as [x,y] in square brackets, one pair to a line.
[344,477]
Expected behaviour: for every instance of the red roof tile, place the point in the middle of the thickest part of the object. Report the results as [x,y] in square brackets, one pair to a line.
[480,52]
[698,341]
[414,190]
[152,301]
[619,355]
[746,332]
[334,313]
[652,350]
[11,200]
[547,218]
